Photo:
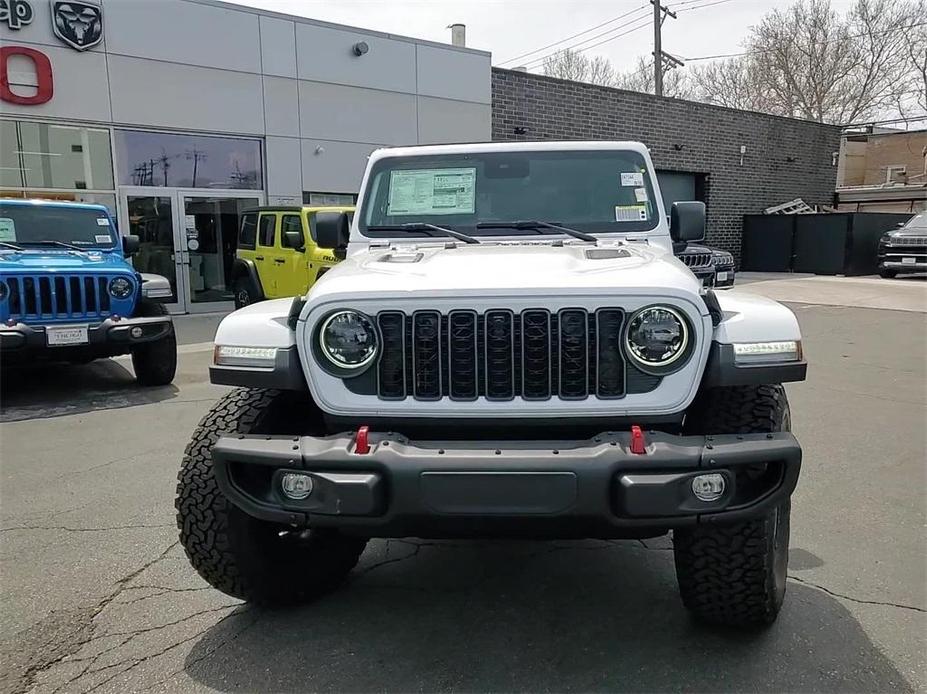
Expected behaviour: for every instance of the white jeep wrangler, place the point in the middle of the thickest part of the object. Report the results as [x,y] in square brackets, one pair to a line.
[510,349]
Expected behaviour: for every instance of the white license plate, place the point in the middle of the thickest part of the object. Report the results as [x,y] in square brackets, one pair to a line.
[909,261]
[70,335]
[721,277]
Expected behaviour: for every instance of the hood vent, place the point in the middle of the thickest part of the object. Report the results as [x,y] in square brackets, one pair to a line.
[606,253]
[401,258]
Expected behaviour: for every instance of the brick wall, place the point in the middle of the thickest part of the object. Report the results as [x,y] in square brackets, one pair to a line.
[785,158]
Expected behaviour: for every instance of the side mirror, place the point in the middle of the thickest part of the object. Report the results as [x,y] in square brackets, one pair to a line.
[687,221]
[331,230]
[294,240]
[130,245]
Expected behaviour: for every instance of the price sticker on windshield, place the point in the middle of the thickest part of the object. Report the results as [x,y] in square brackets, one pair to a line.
[432,191]
[632,179]
[630,213]
[7,229]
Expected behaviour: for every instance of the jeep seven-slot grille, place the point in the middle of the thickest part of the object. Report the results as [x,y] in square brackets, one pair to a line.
[58,296]
[501,355]
[696,260]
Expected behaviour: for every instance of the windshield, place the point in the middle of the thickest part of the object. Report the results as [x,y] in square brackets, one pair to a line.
[29,224]
[596,191]
[918,221]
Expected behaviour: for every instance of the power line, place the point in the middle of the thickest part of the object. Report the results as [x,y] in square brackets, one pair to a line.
[564,40]
[824,43]
[536,62]
[540,61]
[707,4]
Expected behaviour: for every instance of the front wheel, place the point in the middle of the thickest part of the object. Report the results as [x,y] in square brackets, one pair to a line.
[244,292]
[155,363]
[736,574]
[888,274]
[240,555]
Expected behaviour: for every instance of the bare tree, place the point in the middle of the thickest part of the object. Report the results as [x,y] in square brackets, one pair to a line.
[676,82]
[573,65]
[809,62]
[912,100]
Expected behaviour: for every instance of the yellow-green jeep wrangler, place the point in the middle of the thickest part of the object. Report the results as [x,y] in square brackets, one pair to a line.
[277,253]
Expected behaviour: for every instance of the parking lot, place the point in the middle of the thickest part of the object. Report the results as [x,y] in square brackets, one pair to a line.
[96,594]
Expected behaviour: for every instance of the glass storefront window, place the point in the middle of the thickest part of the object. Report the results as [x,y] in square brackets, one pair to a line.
[187,161]
[42,155]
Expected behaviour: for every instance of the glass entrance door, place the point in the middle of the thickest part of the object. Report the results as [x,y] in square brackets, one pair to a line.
[188,237]
[210,238]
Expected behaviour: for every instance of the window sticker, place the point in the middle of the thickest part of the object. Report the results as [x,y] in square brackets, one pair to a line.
[633,179]
[102,222]
[102,238]
[7,229]
[630,213]
[432,191]
[640,194]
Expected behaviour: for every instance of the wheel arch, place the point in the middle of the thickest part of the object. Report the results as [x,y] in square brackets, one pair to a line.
[247,269]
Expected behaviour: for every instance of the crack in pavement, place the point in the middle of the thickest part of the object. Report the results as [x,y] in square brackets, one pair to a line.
[68,529]
[135,662]
[860,601]
[210,653]
[82,633]
[162,590]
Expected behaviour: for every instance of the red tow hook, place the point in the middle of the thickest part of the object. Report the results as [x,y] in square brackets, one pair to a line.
[361,443]
[638,446]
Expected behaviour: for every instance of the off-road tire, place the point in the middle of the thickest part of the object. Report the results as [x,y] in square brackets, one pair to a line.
[735,575]
[244,292]
[236,553]
[888,274]
[155,363]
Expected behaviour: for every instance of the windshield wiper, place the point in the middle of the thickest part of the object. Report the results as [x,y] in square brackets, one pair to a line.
[537,226]
[424,226]
[12,246]
[61,244]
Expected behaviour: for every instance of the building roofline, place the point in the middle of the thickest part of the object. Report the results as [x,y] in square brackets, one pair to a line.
[600,87]
[234,6]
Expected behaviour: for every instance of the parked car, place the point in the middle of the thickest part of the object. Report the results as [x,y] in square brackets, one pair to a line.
[473,369]
[904,249]
[277,253]
[714,267]
[68,292]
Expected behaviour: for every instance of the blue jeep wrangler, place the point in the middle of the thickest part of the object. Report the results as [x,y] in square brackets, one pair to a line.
[68,293]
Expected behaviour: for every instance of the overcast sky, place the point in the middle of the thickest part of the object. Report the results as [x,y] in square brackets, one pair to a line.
[509,28]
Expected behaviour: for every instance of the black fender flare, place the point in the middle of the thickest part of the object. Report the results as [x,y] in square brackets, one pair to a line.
[247,268]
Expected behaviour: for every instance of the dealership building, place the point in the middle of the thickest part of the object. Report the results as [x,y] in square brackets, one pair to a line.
[180,114]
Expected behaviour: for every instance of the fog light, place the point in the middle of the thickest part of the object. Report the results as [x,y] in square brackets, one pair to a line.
[136,332]
[708,487]
[296,485]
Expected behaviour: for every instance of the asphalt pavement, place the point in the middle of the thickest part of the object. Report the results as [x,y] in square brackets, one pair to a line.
[96,594]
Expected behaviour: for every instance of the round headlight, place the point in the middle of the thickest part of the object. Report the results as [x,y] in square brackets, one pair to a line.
[348,339]
[657,336]
[120,288]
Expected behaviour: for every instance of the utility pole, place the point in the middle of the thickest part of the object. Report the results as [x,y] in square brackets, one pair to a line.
[660,13]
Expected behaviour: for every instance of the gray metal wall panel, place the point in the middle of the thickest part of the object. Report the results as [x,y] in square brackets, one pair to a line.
[183,32]
[139,88]
[278,47]
[451,74]
[284,175]
[337,169]
[325,55]
[352,114]
[443,120]
[281,106]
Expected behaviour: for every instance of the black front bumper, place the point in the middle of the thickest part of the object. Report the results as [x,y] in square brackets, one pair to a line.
[107,338]
[591,488]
